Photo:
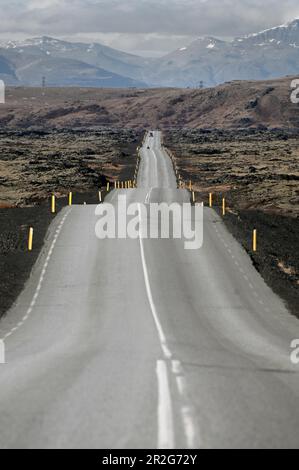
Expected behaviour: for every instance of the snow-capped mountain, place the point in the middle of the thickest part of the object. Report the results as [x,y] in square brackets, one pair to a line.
[64,63]
[209,61]
[286,34]
[268,54]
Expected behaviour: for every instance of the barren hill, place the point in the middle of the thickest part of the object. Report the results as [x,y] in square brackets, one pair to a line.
[239,104]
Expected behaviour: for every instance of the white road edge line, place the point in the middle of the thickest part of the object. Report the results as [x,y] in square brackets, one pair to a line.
[165,418]
[261,302]
[40,282]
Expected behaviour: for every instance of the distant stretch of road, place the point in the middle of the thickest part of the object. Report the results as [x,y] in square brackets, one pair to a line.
[143,344]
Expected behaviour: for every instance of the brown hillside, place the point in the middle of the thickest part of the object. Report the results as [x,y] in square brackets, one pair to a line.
[232,105]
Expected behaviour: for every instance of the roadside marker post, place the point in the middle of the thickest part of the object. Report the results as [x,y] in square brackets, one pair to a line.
[30,239]
[108,187]
[254,240]
[210,200]
[53,204]
[100,196]
[223,207]
[193,196]
[70,198]
[115,184]
[190,185]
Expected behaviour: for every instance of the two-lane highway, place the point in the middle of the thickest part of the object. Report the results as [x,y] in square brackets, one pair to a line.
[143,344]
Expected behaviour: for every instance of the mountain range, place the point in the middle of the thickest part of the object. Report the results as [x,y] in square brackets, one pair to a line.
[208,61]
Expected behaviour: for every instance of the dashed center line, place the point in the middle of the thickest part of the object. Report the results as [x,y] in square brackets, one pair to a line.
[166,434]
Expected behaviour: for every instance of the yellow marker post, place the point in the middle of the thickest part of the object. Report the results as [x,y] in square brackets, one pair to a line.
[30,239]
[254,241]
[70,198]
[118,185]
[108,187]
[223,207]
[100,196]
[193,196]
[210,200]
[53,204]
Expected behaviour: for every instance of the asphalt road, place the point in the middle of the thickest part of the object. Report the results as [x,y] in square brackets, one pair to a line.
[143,344]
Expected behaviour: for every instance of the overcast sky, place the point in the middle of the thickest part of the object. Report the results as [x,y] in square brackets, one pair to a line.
[149,27]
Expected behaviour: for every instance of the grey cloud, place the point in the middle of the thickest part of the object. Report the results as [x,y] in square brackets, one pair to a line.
[175,18]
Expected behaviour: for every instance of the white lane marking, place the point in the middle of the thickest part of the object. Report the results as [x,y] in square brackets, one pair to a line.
[148,196]
[261,302]
[187,419]
[40,282]
[161,334]
[190,428]
[165,417]
[156,167]
[181,384]
[176,367]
